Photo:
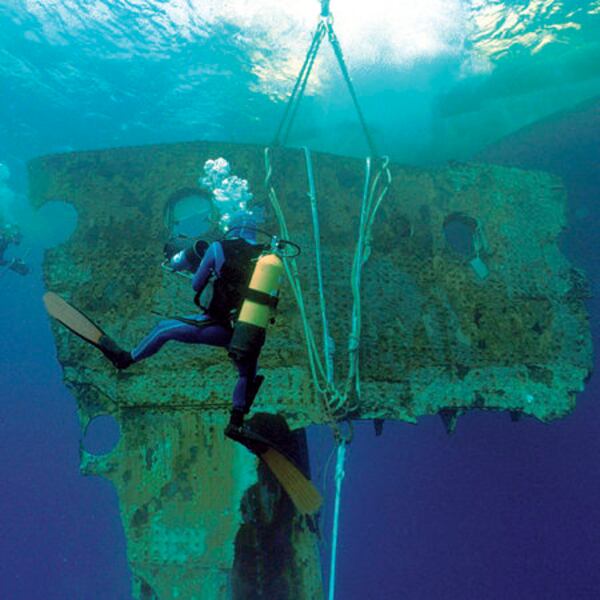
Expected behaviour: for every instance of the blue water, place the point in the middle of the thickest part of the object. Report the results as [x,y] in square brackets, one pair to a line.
[499,510]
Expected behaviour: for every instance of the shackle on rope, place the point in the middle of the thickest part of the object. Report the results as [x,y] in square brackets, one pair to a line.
[325,14]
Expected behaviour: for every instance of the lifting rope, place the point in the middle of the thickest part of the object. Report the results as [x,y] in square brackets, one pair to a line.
[328,344]
[340,473]
[324,27]
[335,400]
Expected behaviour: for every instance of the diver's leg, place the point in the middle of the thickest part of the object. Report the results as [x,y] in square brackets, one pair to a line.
[171,329]
[244,392]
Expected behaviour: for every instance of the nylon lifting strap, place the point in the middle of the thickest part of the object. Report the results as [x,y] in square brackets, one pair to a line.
[334,398]
[328,345]
[324,27]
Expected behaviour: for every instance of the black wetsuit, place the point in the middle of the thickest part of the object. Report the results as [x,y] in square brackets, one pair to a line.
[230,262]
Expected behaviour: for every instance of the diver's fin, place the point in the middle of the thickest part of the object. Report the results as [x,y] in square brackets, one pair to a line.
[247,437]
[299,488]
[86,329]
[73,319]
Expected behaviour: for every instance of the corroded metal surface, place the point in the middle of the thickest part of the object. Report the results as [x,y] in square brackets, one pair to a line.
[437,336]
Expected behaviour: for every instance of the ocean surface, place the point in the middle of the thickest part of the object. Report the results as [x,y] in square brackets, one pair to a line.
[498,510]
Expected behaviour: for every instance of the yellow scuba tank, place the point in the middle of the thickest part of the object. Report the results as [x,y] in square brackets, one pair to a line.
[260,300]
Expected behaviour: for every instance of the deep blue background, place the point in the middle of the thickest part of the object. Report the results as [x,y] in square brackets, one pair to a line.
[60,534]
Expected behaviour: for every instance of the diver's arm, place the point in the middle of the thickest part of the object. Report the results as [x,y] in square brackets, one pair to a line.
[204,271]
[211,264]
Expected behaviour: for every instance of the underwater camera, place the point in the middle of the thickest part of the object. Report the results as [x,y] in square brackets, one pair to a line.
[183,255]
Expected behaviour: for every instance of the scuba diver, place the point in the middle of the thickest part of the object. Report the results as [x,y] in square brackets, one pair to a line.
[229,263]
[245,278]
[10,234]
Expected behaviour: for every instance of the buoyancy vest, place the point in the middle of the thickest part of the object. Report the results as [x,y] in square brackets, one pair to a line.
[232,282]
